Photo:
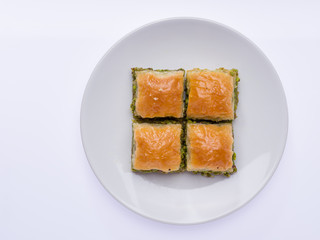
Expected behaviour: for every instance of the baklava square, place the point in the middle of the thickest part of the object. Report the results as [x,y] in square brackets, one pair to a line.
[157,147]
[210,148]
[158,93]
[212,95]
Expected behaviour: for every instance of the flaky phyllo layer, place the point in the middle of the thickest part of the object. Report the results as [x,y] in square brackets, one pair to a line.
[158,93]
[212,95]
[158,147]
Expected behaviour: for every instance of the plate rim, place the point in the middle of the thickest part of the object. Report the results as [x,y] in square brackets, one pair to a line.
[286,114]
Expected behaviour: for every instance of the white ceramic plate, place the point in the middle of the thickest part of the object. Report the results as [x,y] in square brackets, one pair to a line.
[260,129]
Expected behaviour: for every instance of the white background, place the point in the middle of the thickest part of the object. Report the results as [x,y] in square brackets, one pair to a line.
[47,53]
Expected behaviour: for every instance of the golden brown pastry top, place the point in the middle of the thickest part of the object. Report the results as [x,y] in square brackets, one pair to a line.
[210,95]
[209,147]
[159,94]
[157,147]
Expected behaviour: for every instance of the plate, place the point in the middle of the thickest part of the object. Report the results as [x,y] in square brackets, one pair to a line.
[260,129]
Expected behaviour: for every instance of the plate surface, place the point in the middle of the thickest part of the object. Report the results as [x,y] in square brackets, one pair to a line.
[260,129]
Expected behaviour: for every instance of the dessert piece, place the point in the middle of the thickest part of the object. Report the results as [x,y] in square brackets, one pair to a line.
[158,93]
[212,95]
[157,147]
[210,149]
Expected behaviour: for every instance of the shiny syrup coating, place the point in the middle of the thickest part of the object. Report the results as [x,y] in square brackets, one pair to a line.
[209,147]
[210,95]
[157,147]
[159,94]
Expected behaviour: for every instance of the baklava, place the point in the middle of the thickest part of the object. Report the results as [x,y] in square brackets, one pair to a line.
[210,148]
[158,93]
[212,94]
[157,147]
